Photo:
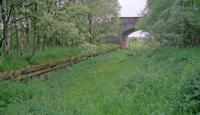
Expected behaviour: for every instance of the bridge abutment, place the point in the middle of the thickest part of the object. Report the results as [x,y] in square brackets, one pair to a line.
[127,27]
[124,42]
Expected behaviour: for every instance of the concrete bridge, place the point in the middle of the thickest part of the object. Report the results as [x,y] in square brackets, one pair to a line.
[127,26]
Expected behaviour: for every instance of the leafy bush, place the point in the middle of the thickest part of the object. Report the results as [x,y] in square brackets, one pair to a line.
[173,22]
[88,48]
[190,94]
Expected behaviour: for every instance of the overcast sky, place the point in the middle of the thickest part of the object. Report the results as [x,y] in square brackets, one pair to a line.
[131,8]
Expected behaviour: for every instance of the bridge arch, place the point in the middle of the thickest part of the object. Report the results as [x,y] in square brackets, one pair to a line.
[128,32]
[127,27]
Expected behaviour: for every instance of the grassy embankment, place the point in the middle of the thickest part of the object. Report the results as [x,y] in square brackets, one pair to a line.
[142,80]
[48,55]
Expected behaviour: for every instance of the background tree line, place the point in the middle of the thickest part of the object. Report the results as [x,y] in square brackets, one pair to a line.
[173,22]
[29,25]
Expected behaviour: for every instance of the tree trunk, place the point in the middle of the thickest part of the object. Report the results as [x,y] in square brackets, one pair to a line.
[6,39]
[44,42]
[6,42]
[21,43]
[90,27]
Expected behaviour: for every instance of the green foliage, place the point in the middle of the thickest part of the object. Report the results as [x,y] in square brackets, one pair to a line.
[44,23]
[146,82]
[174,22]
[190,93]
[89,47]
[51,54]
[12,63]
[103,19]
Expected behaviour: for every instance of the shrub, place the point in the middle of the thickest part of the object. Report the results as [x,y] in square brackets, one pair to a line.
[190,94]
[88,48]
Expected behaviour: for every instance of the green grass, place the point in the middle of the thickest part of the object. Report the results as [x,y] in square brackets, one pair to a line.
[54,54]
[48,55]
[141,80]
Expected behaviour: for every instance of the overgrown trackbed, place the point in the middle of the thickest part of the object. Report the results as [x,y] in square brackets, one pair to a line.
[48,67]
[137,81]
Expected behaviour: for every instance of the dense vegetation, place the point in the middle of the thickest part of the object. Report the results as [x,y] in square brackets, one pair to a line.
[177,23]
[52,54]
[173,22]
[145,79]
[28,26]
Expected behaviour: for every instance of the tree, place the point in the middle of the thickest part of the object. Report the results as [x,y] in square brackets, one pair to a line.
[29,25]
[173,22]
